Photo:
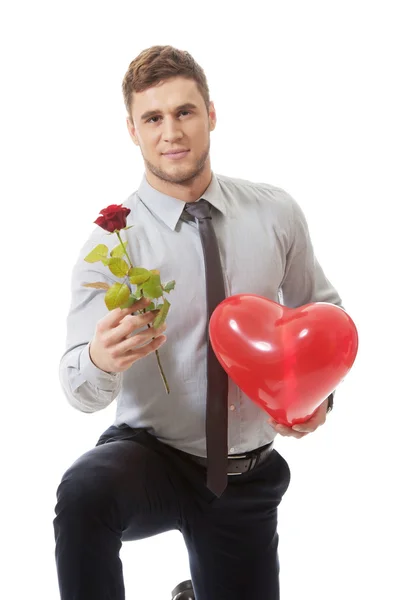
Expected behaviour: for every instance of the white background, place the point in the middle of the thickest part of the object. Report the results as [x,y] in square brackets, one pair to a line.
[307,99]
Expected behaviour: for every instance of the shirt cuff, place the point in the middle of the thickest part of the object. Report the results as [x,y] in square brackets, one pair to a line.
[94,375]
[330,402]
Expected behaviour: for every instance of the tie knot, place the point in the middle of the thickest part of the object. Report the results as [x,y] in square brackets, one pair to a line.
[200,210]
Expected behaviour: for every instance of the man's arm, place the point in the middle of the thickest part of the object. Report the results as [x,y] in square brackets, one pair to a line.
[86,387]
[304,282]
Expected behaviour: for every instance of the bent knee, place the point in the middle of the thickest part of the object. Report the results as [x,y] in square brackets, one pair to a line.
[85,489]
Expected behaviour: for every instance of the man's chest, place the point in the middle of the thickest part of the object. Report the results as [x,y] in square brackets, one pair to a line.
[252,251]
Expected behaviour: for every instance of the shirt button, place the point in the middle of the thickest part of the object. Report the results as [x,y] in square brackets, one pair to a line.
[232,407]
[232,450]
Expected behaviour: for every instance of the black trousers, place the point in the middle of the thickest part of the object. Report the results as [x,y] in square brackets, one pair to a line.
[131,486]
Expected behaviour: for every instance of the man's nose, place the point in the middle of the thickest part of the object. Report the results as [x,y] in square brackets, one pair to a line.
[172,130]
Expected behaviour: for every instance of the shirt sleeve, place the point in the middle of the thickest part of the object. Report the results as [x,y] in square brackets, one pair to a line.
[304,279]
[86,387]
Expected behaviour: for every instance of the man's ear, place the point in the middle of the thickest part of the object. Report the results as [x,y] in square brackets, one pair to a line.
[132,131]
[212,116]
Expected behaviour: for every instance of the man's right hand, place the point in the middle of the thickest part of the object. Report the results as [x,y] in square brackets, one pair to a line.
[113,348]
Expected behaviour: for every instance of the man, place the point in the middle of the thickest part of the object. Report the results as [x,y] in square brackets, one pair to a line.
[159,467]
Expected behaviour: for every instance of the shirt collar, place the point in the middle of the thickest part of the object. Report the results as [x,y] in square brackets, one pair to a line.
[169,209]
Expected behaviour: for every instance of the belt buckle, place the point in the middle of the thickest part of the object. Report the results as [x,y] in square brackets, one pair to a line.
[251,456]
[254,460]
[238,456]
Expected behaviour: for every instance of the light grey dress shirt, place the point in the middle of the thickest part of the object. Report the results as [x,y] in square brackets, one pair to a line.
[265,249]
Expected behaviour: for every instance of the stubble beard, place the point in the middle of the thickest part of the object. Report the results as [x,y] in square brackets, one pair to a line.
[183,178]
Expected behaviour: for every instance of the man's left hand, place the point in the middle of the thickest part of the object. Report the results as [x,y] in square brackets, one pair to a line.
[302,429]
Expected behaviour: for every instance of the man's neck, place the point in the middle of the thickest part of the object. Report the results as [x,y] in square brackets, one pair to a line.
[187,192]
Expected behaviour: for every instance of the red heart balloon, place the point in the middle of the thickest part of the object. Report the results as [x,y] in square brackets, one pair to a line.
[287,360]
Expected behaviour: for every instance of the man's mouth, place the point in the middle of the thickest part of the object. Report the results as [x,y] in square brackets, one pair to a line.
[176,154]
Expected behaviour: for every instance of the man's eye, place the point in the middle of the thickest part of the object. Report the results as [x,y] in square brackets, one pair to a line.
[157,118]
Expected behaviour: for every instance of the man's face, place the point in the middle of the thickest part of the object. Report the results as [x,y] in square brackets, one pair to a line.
[172,127]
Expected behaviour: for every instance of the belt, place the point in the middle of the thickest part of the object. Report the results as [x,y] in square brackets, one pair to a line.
[237,464]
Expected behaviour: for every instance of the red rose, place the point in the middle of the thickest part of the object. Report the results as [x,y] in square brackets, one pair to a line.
[113,217]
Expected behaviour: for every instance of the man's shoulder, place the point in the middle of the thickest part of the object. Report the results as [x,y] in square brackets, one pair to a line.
[251,189]
[132,200]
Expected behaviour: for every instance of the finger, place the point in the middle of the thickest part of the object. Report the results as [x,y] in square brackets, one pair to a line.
[140,305]
[128,324]
[142,352]
[288,432]
[308,427]
[275,424]
[134,342]
[282,429]
[114,317]
[285,431]
[317,419]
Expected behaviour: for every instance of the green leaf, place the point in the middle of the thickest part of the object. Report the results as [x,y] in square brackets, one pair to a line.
[152,287]
[119,251]
[117,295]
[151,306]
[130,302]
[125,228]
[138,275]
[118,267]
[98,253]
[169,286]
[138,293]
[162,315]
[106,261]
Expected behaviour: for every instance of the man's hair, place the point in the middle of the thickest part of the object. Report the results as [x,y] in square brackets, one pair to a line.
[156,65]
